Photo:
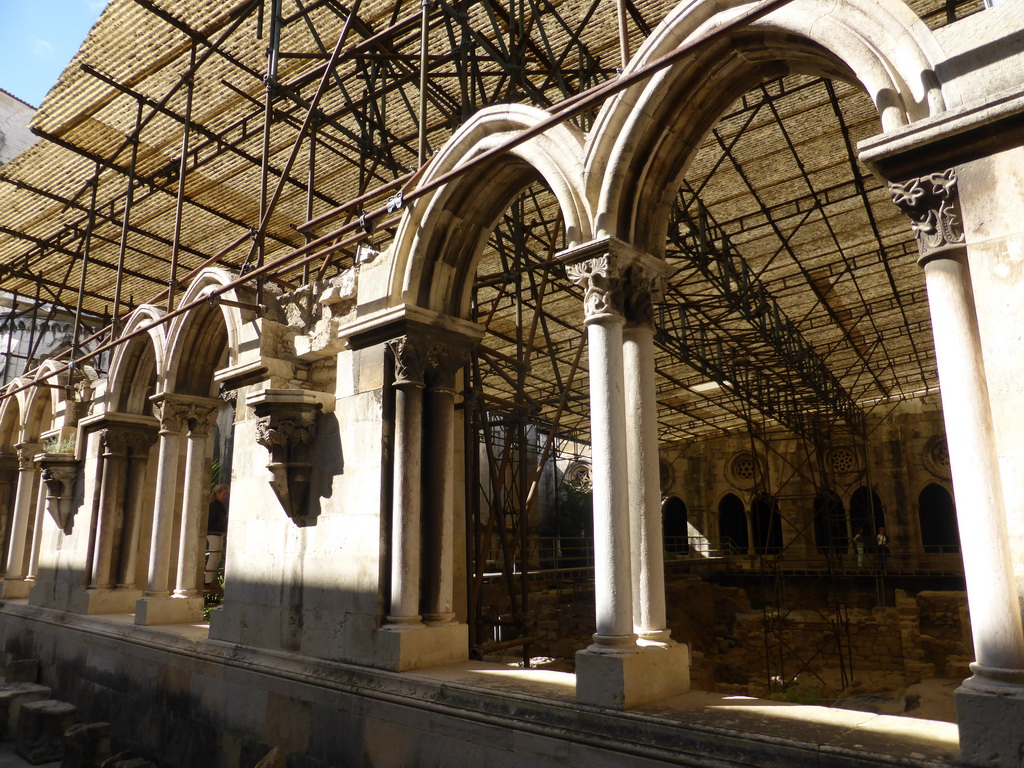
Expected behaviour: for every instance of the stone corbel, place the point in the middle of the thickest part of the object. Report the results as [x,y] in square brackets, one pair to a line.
[59,473]
[286,427]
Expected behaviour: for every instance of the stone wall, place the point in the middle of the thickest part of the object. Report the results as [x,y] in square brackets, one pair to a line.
[884,648]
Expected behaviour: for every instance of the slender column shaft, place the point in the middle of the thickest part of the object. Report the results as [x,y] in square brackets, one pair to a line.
[22,512]
[111,497]
[191,513]
[991,589]
[127,576]
[163,514]
[646,537]
[612,567]
[440,512]
[37,534]
[405,532]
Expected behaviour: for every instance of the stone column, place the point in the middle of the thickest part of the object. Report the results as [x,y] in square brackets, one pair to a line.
[404,608]
[108,523]
[24,497]
[991,702]
[169,414]
[613,590]
[8,484]
[197,483]
[643,287]
[439,476]
[138,460]
[37,534]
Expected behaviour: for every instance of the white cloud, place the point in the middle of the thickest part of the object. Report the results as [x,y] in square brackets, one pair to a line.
[97,5]
[41,49]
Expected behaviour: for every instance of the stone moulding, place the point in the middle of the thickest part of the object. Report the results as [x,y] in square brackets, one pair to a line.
[286,427]
[59,471]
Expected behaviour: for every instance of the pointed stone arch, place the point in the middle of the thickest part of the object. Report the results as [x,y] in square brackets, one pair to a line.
[137,366]
[643,140]
[441,237]
[199,340]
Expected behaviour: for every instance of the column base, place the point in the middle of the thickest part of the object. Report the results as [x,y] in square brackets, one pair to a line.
[168,610]
[404,647]
[15,589]
[99,600]
[624,680]
[989,715]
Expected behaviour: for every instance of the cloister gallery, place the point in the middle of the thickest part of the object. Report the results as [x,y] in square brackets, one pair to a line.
[400,273]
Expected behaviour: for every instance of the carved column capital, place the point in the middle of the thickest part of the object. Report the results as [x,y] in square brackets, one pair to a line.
[443,363]
[26,455]
[179,412]
[410,360]
[601,281]
[642,288]
[933,204]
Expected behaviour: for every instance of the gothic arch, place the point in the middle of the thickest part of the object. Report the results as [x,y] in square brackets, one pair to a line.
[197,339]
[733,533]
[12,410]
[137,366]
[643,139]
[440,238]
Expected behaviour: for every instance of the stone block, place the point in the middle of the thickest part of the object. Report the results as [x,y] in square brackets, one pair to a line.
[169,610]
[990,726]
[13,696]
[86,745]
[41,727]
[624,680]
[423,647]
[22,671]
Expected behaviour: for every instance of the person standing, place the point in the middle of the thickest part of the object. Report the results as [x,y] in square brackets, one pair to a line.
[858,545]
[882,541]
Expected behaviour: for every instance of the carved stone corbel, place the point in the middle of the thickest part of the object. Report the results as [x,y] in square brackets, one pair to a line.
[933,204]
[59,473]
[286,428]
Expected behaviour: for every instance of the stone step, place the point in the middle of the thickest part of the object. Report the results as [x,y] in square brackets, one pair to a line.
[41,727]
[13,696]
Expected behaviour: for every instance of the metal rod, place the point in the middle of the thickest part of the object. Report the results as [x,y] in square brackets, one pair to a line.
[129,197]
[172,285]
[76,335]
[424,43]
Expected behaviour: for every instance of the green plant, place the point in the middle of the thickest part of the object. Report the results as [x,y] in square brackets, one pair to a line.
[59,445]
[215,474]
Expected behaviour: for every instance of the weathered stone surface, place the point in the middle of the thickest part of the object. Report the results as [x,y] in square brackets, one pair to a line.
[41,727]
[22,671]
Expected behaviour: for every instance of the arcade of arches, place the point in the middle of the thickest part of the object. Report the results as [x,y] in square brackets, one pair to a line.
[339,414]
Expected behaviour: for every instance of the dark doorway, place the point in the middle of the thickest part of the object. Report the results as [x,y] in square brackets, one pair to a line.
[732,525]
[675,526]
[866,511]
[939,531]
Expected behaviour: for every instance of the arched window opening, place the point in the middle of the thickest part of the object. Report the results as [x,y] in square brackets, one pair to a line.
[674,526]
[939,530]
[732,525]
[866,511]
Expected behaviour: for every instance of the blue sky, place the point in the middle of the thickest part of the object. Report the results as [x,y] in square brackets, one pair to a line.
[38,39]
